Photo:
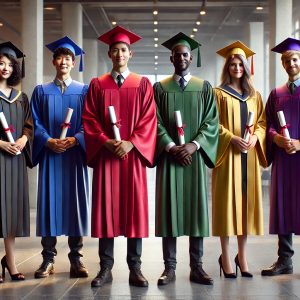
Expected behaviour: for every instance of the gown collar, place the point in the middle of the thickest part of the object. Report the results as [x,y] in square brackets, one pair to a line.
[234,93]
[14,95]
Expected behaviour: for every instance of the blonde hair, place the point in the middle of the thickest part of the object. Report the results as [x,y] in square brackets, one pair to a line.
[288,54]
[247,84]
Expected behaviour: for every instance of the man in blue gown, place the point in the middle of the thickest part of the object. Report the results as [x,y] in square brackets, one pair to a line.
[62,204]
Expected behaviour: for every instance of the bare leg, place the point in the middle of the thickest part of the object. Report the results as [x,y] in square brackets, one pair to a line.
[242,242]
[225,254]
[9,244]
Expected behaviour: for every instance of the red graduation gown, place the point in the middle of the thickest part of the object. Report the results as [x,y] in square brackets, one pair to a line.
[119,199]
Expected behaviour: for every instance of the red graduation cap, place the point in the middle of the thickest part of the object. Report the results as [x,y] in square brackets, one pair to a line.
[119,34]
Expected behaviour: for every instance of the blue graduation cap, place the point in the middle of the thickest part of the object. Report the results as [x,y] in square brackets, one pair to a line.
[66,42]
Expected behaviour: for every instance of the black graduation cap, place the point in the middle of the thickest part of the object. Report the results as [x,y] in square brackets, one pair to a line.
[11,49]
[182,39]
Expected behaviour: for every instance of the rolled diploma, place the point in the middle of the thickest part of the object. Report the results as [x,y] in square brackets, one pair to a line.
[247,131]
[282,123]
[67,120]
[8,133]
[178,121]
[113,120]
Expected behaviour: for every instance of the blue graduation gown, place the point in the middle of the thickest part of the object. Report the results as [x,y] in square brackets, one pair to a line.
[63,202]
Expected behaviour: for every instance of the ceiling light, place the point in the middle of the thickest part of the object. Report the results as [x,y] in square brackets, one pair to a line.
[198,22]
[49,8]
[202,12]
[1,24]
[155,12]
[114,22]
[156,63]
[259,7]
[155,22]
[155,69]
[195,29]
[155,39]
[155,45]
[155,57]
[192,36]
[155,29]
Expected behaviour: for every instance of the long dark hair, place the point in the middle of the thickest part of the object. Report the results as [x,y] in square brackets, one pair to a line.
[247,84]
[16,75]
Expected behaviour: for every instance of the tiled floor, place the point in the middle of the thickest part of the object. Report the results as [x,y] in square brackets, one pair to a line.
[261,252]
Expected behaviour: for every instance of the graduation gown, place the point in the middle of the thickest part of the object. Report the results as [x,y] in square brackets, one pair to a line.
[14,199]
[235,212]
[120,201]
[63,203]
[181,192]
[285,173]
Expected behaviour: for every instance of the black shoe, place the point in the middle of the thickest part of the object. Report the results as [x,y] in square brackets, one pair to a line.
[278,268]
[136,278]
[226,275]
[198,275]
[45,269]
[237,264]
[78,270]
[167,276]
[103,277]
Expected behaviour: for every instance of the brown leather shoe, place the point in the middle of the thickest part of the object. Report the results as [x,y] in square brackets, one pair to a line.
[45,269]
[78,270]
[136,278]
[103,277]
[166,277]
[198,275]
[278,268]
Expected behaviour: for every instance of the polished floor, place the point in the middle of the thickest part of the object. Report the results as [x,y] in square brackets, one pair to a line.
[261,252]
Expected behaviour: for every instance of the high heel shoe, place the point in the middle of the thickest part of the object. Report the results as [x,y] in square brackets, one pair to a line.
[226,275]
[237,264]
[15,277]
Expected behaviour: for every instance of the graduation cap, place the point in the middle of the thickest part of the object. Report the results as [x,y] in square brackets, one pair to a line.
[11,49]
[66,42]
[119,34]
[238,48]
[287,44]
[182,39]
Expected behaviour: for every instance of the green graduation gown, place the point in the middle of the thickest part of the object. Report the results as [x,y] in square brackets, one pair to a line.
[181,192]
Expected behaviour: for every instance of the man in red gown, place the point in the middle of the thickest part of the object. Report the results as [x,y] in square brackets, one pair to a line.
[119,200]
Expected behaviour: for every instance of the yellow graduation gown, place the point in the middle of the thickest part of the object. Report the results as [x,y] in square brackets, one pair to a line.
[228,211]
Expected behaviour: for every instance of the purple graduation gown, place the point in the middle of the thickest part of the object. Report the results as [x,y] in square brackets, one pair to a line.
[62,204]
[285,188]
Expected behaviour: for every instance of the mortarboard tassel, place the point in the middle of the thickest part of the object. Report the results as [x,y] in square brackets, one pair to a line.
[198,58]
[81,63]
[23,67]
[252,65]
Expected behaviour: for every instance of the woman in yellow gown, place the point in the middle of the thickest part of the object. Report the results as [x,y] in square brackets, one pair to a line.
[236,180]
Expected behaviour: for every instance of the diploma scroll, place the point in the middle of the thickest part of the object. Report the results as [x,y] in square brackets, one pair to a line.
[115,124]
[7,129]
[249,124]
[66,124]
[284,127]
[180,127]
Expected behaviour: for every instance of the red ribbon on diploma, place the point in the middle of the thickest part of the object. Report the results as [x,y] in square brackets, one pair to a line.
[284,127]
[9,128]
[249,128]
[181,129]
[66,125]
[118,123]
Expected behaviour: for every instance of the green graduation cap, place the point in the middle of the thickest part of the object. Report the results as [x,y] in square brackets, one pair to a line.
[182,39]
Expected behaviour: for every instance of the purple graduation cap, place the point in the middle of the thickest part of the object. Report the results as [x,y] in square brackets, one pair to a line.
[11,49]
[287,44]
[66,42]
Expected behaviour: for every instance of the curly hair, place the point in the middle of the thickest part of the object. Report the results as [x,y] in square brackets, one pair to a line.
[16,75]
[63,51]
[247,84]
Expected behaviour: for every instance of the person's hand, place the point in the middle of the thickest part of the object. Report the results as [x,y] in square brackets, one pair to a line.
[282,142]
[294,146]
[21,142]
[69,142]
[123,149]
[56,145]
[252,141]
[11,148]
[239,143]
[111,145]
[183,154]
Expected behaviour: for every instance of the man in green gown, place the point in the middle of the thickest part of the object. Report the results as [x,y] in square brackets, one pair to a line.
[181,186]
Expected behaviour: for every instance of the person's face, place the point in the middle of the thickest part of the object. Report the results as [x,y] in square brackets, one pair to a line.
[236,68]
[181,59]
[119,55]
[6,68]
[63,64]
[292,65]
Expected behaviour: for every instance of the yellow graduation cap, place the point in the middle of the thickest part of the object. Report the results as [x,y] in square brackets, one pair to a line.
[237,48]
